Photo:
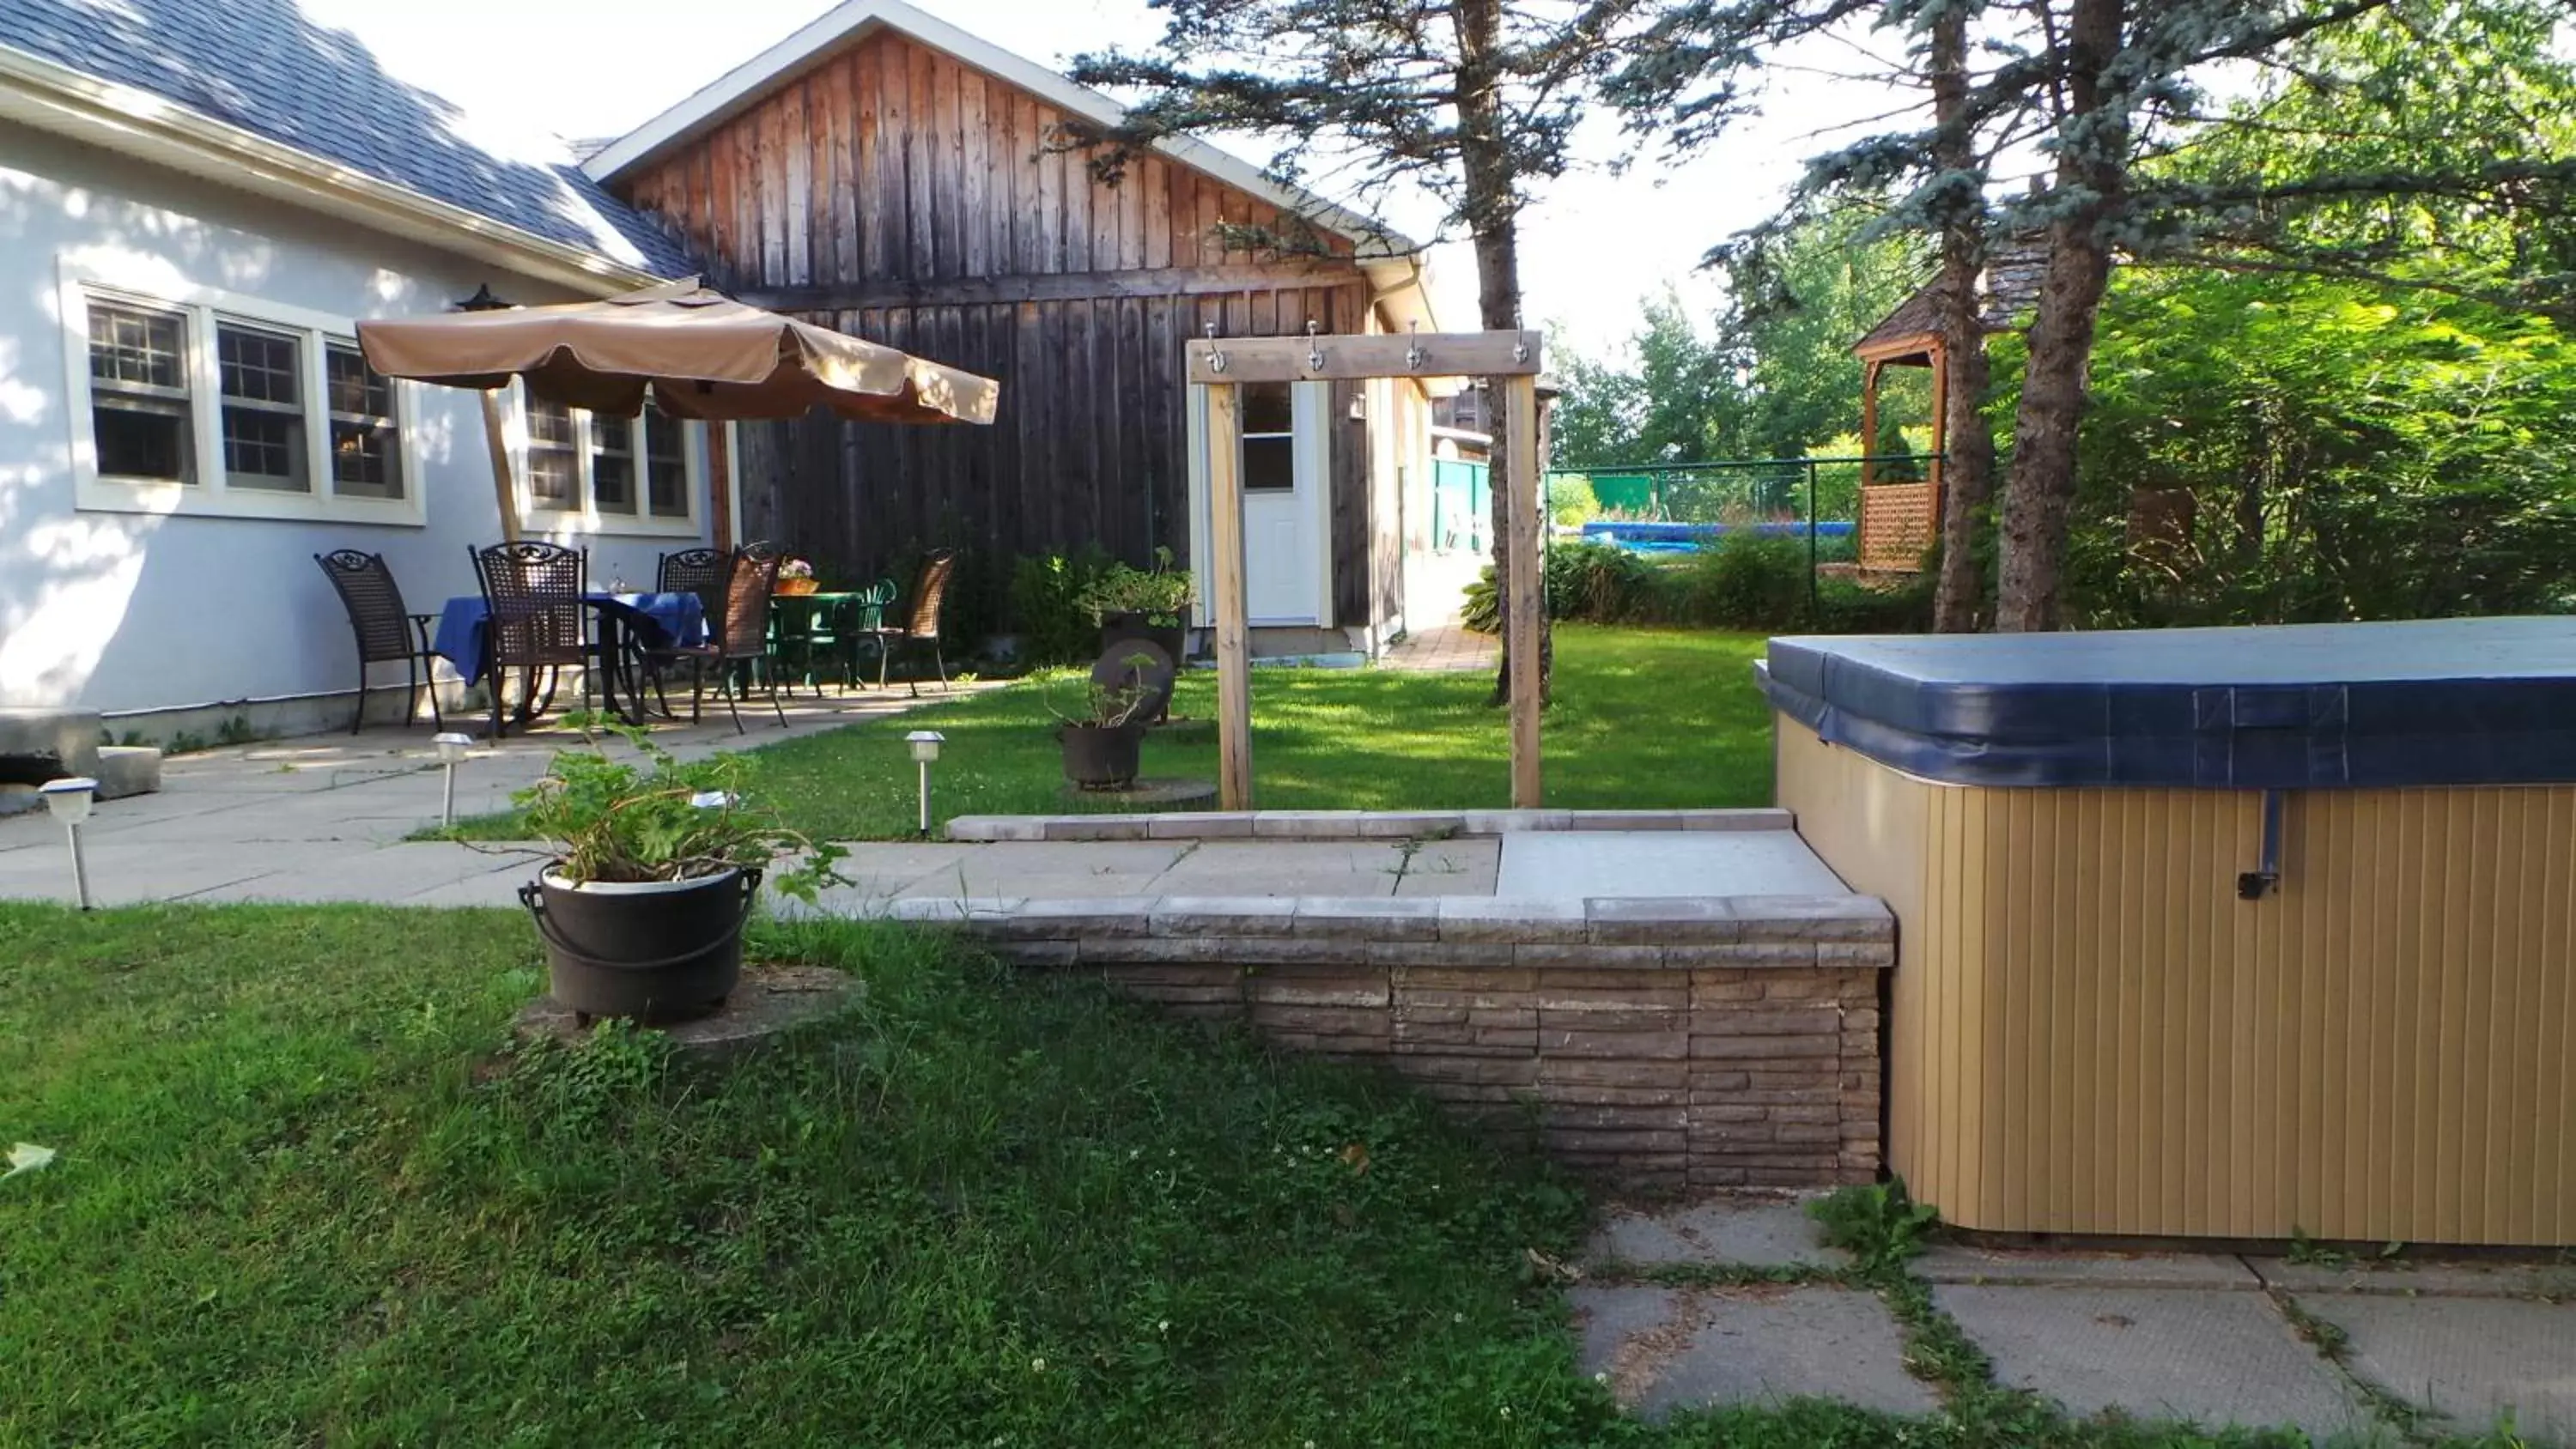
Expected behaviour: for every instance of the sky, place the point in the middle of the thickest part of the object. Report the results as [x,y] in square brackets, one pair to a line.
[1594,246]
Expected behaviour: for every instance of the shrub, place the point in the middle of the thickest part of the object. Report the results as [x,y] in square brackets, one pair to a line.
[1750,580]
[1047,606]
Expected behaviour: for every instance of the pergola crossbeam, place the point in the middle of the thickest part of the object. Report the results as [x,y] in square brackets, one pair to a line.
[1221,365]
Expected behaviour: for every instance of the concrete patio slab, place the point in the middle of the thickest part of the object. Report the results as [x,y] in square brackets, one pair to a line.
[2208,1357]
[1284,868]
[395,873]
[1668,1348]
[2476,1361]
[2059,1268]
[1046,869]
[1754,1231]
[1647,863]
[1453,868]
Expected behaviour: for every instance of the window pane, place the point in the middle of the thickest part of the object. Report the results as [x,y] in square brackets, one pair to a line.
[263,449]
[1269,464]
[356,387]
[366,444]
[1266,408]
[366,461]
[257,366]
[553,481]
[554,470]
[145,349]
[141,438]
[612,464]
[666,466]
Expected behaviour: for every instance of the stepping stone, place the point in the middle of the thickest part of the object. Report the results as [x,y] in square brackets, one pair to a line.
[2212,1357]
[770,1002]
[1668,1348]
[125,770]
[1751,1231]
[2473,1360]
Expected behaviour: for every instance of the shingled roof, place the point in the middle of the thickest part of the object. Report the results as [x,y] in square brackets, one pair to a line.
[2006,291]
[264,67]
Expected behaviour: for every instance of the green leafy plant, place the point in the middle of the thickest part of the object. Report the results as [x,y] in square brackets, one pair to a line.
[1161,594]
[1110,706]
[1878,1223]
[661,820]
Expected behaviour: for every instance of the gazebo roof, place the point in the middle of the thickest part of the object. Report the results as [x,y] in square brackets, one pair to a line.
[2007,289]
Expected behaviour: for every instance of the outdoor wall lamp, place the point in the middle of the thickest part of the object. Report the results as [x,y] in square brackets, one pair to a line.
[452,749]
[925,748]
[70,801]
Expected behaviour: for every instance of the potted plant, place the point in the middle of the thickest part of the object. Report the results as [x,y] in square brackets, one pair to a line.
[655,867]
[796,578]
[1103,743]
[1134,603]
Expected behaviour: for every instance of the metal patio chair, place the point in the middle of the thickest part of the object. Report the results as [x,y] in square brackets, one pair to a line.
[385,630]
[535,619]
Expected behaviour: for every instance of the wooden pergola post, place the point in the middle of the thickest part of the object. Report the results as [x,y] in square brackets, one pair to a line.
[496,435]
[1222,365]
[1868,420]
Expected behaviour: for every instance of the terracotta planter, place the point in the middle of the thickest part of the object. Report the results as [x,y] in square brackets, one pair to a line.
[797,588]
[650,950]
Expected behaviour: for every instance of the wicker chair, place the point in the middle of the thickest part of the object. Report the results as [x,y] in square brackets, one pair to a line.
[534,618]
[737,635]
[384,629]
[921,622]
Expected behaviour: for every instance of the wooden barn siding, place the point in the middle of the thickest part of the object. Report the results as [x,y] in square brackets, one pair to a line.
[898,195]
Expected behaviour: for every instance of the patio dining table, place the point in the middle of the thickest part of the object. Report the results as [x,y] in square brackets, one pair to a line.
[629,626]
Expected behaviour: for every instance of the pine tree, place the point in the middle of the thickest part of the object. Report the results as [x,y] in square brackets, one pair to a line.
[1474,101]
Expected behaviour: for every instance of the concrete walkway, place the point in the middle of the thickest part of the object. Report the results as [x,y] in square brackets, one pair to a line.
[2210,1339]
[323,818]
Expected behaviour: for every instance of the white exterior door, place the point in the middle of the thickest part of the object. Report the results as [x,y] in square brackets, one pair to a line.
[1287,504]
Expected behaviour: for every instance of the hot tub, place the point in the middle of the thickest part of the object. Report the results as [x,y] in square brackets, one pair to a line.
[2214,932]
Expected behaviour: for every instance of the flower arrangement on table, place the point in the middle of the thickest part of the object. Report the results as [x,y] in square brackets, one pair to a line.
[796,576]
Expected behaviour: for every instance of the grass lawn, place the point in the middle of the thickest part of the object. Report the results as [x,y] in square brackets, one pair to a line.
[299,1201]
[1643,718]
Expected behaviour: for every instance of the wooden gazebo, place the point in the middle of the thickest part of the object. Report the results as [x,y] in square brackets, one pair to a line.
[1899,520]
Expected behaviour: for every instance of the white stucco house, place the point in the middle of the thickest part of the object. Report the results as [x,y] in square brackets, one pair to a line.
[196,203]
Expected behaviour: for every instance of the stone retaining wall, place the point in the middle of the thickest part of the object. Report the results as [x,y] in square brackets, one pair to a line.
[1653,1043]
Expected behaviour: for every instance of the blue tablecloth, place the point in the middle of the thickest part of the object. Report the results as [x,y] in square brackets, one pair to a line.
[658,621]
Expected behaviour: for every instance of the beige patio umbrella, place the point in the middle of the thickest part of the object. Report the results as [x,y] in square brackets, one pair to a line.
[704,355]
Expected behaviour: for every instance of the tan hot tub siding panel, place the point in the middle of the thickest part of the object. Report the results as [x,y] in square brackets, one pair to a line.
[2090,1033]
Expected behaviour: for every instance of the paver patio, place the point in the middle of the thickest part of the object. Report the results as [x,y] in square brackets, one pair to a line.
[2204,1338]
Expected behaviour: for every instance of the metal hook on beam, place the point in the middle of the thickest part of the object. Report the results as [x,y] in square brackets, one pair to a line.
[1413,354]
[1216,355]
[1314,349]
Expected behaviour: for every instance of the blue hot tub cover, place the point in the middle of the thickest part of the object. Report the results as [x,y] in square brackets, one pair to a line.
[2432,702]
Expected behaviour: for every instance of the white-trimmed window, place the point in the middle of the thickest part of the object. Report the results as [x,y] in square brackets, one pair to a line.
[193,400]
[589,473]
[1269,437]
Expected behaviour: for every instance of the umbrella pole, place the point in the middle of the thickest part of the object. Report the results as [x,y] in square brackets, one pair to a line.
[508,489]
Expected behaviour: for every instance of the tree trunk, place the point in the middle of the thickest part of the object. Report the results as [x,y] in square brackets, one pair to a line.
[2092,167]
[1968,444]
[1493,221]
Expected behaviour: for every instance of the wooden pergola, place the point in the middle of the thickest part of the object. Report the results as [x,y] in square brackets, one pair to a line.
[1511,359]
